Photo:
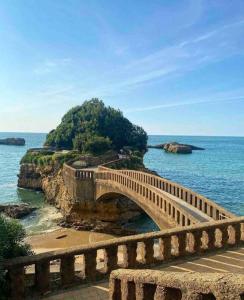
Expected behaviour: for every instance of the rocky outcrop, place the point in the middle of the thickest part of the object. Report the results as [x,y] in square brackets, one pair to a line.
[16,211]
[175,147]
[13,141]
[50,180]
[98,226]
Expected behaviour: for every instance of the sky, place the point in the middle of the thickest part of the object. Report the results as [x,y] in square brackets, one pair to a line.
[173,67]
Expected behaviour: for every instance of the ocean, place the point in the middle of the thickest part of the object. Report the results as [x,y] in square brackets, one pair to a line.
[216,172]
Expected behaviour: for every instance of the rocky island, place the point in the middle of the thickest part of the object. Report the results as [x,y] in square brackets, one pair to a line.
[88,135]
[13,141]
[175,147]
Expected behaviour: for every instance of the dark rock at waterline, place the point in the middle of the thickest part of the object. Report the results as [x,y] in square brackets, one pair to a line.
[16,211]
[98,226]
[175,147]
[13,141]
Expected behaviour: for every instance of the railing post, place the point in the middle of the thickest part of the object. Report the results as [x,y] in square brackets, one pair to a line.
[197,241]
[225,236]
[211,238]
[67,270]
[16,277]
[182,244]
[165,244]
[90,265]
[149,251]
[42,276]
[237,228]
[130,255]
[111,258]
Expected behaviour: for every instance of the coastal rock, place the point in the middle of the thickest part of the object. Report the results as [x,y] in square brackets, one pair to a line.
[175,147]
[50,180]
[98,226]
[16,211]
[13,141]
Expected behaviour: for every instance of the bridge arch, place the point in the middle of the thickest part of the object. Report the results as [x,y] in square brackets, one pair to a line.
[109,190]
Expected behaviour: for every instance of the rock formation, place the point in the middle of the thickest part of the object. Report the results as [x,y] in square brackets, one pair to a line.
[13,141]
[50,180]
[175,147]
[16,211]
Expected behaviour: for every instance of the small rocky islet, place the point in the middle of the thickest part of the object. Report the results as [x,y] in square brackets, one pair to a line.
[12,141]
[88,135]
[175,147]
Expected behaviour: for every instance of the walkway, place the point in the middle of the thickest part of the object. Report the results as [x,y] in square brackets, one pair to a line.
[220,262]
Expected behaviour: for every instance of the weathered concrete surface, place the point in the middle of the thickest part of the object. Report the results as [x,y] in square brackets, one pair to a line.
[226,261]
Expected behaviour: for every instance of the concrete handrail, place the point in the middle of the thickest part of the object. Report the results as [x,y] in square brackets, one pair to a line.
[200,202]
[151,284]
[172,244]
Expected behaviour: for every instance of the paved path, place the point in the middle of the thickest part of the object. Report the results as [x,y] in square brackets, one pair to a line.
[221,262]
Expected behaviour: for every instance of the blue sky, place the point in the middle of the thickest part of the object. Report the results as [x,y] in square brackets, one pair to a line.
[173,67]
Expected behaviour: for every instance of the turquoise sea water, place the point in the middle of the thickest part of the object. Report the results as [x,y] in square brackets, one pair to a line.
[10,156]
[217,173]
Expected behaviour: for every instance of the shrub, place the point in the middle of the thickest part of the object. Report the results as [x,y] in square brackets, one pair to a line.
[12,245]
[97,145]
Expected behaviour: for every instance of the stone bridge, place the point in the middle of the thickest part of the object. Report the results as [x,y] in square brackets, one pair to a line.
[167,203]
[195,245]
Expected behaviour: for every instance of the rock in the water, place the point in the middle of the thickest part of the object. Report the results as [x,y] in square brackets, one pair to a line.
[175,147]
[16,211]
[13,141]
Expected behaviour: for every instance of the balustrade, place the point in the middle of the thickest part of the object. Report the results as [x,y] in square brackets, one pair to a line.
[158,248]
[203,204]
[151,285]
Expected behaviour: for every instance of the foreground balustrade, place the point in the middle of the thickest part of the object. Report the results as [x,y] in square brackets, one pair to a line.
[155,285]
[85,264]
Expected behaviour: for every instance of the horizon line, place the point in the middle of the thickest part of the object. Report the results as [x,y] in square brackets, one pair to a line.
[149,134]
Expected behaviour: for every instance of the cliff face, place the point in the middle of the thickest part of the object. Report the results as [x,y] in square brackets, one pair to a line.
[50,180]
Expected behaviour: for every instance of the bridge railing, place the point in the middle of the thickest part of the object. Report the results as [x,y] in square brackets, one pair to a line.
[151,284]
[136,251]
[200,202]
[157,203]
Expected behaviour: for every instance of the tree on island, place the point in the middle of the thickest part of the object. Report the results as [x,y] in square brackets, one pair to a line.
[95,128]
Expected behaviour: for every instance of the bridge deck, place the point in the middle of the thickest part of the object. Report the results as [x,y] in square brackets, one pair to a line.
[220,262]
[199,215]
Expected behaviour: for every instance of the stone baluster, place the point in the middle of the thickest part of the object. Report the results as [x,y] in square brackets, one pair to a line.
[128,290]
[237,228]
[149,251]
[182,244]
[16,278]
[90,265]
[130,255]
[211,238]
[111,258]
[145,291]
[165,245]
[197,241]
[225,236]
[67,270]
[115,289]
[42,276]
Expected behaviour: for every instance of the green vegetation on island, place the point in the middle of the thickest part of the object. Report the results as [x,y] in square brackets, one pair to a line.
[95,128]
[91,129]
